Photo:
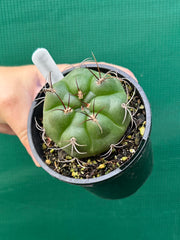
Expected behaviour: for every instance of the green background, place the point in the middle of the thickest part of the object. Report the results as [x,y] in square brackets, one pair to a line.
[142,35]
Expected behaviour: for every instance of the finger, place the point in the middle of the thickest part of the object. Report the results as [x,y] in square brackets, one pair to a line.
[33,158]
[4,128]
[126,70]
[64,67]
[24,139]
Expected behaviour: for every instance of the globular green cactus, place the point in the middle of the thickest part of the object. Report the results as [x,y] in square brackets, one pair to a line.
[84,113]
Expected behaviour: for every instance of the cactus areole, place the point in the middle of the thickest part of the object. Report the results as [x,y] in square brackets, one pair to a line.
[83,113]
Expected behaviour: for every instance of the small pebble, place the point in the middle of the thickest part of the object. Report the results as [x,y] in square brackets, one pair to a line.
[141,107]
[132,150]
[124,158]
[89,161]
[142,129]
[101,166]
[52,150]
[108,171]
[48,161]
[44,146]
[75,174]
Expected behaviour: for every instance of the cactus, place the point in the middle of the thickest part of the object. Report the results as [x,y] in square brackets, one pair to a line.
[85,113]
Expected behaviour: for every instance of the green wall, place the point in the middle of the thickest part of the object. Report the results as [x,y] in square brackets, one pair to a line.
[142,35]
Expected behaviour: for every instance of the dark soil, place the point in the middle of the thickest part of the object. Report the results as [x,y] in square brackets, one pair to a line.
[92,167]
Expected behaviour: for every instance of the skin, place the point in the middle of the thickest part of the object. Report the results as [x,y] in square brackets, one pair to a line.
[19,87]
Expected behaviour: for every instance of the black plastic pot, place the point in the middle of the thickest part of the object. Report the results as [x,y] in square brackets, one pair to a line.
[119,183]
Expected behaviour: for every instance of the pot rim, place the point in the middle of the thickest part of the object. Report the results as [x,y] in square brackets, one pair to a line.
[116,172]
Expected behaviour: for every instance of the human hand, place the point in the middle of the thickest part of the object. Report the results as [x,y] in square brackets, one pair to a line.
[19,87]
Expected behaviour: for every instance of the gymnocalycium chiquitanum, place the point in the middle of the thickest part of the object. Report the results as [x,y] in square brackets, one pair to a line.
[86,113]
